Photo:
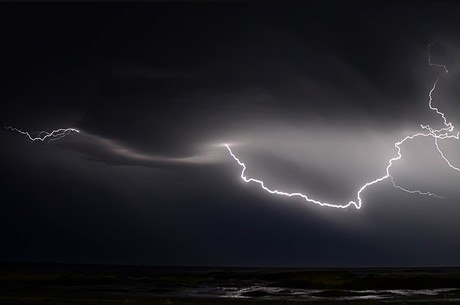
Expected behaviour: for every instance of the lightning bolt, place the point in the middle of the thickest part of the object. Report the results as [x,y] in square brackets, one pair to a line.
[448,126]
[445,132]
[42,136]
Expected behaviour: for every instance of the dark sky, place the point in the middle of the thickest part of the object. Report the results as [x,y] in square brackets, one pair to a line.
[311,95]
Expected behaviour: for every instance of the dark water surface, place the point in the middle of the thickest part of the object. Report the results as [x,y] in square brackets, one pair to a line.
[104,284]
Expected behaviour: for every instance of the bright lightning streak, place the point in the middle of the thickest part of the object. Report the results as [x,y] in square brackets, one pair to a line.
[449,127]
[261,183]
[442,133]
[44,135]
[442,154]
[414,191]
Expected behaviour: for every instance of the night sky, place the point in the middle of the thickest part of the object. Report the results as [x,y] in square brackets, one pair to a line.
[311,96]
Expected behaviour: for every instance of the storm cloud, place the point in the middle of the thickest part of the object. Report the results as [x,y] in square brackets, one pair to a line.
[311,96]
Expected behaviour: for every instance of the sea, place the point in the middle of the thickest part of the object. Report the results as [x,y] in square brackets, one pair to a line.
[26,283]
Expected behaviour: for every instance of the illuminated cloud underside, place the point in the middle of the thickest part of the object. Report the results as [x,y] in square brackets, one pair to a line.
[446,132]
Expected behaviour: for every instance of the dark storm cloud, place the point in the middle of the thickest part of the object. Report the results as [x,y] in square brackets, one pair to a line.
[312,96]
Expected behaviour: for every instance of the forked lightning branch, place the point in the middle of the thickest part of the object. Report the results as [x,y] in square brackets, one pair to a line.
[43,136]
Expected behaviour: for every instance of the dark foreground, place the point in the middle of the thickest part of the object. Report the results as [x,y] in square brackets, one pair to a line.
[88,284]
